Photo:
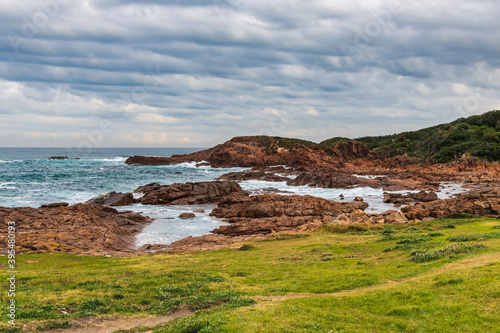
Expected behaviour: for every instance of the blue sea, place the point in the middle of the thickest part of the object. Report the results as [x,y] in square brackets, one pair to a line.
[29,178]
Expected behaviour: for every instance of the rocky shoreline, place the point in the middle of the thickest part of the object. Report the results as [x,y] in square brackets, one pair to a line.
[95,228]
[89,229]
[98,229]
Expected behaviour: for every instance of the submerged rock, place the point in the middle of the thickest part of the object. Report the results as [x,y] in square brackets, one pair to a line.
[62,158]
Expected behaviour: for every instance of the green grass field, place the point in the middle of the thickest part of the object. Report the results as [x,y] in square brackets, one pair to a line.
[440,276]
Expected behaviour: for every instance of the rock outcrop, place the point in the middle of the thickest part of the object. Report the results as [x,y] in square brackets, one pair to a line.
[253,175]
[332,164]
[264,214]
[81,228]
[358,216]
[188,193]
[349,149]
[485,203]
[401,199]
[209,242]
[113,199]
[332,179]
[258,151]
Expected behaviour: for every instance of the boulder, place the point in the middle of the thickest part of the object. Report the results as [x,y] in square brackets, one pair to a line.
[393,217]
[186,216]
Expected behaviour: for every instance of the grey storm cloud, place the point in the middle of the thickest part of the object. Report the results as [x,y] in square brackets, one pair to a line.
[195,73]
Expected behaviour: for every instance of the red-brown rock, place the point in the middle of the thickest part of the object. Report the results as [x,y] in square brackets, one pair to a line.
[250,152]
[113,199]
[486,203]
[253,175]
[398,198]
[263,214]
[189,193]
[81,228]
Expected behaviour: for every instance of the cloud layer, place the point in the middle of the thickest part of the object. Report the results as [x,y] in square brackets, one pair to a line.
[196,73]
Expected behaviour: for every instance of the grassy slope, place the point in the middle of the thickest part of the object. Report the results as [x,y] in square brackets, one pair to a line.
[478,136]
[325,281]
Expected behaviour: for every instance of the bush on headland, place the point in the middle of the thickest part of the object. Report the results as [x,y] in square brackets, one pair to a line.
[476,136]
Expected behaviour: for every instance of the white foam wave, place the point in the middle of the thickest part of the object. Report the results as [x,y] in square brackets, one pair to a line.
[369,176]
[8,185]
[168,227]
[118,159]
[10,161]
[449,189]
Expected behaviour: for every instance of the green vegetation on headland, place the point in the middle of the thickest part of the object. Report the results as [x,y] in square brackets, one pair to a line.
[439,276]
[267,141]
[476,136]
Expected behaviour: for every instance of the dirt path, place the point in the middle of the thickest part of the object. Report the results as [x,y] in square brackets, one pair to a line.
[111,324]
[465,263]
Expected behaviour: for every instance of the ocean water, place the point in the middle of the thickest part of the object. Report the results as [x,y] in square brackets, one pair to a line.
[29,178]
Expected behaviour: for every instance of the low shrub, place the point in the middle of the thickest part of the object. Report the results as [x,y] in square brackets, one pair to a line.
[247,247]
[10,329]
[474,237]
[449,282]
[426,255]
[435,234]
[348,228]
[284,236]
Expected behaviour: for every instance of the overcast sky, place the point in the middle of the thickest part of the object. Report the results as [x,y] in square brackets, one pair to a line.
[194,73]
